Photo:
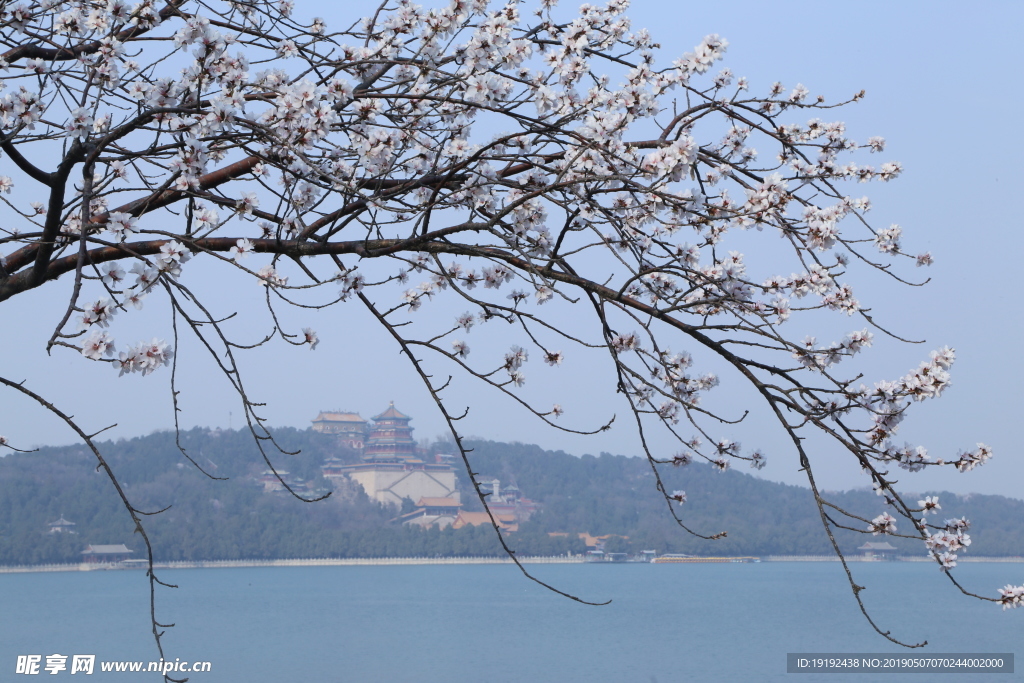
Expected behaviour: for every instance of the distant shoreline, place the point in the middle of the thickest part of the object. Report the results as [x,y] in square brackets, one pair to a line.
[399,561]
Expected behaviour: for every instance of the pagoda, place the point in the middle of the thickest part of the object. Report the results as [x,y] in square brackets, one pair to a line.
[391,438]
[61,526]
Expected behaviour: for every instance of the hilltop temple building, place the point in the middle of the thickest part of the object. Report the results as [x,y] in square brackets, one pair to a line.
[392,467]
[61,526]
[351,429]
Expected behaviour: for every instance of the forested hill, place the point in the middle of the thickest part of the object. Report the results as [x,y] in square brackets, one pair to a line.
[615,494]
[599,495]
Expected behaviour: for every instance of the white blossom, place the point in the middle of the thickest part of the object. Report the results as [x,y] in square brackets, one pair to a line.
[460,348]
[122,225]
[270,277]
[242,249]
[97,345]
[113,275]
[98,313]
[79,125]
[172,255]
[888,240]
[1011,596]
[515,358]
[682,459]
[971,459]
[144,357]
[248,202]
[309,337]
[883,524]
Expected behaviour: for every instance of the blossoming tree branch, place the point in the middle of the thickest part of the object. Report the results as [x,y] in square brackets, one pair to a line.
[508,157]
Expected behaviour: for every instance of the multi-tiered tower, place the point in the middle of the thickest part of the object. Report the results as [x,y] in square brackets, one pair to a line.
[391,438]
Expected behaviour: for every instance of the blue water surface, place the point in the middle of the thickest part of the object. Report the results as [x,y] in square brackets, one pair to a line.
[454,623]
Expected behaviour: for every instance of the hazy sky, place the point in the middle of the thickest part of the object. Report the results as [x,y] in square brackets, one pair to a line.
[943,87]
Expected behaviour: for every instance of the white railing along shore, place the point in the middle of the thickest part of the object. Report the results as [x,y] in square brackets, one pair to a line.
[385,561]
[862,558]
[303,562]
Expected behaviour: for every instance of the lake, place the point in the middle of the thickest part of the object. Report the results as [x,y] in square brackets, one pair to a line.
[453,623]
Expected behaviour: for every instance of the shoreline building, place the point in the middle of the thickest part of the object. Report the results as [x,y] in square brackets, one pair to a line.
[106,554]
[878,551]
[439,512]
[392,469]
[507,501]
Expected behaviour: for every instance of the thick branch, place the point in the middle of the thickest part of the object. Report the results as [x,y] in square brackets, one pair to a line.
[63,54]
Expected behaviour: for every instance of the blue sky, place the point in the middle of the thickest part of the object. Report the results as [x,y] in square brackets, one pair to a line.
[943,87]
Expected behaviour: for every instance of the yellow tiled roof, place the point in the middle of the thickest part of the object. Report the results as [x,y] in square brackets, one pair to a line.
[437,502]
[107,549]
[333,416]
[591,541]
[392,413]
[506,522]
